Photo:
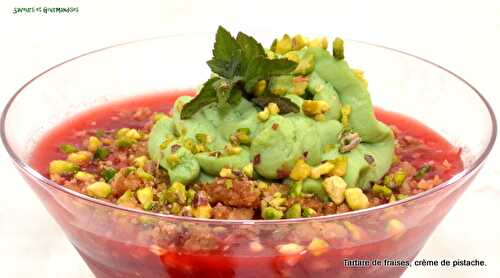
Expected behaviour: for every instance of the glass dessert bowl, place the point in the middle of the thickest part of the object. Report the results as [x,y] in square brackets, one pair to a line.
[117,241]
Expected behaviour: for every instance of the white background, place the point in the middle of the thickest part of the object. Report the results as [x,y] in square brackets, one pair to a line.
[463,36]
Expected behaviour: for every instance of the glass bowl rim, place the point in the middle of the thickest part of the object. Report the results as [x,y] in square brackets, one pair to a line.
[32,173]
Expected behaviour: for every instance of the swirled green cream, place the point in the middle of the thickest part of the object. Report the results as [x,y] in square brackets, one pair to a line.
[293,113]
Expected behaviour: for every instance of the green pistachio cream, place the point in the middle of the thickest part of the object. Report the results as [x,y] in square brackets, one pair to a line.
[293,112]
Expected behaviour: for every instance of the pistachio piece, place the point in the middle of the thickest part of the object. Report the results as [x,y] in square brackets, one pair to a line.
[84,176]
[356,199]
[315,107]
[295,211]
[99,189]
[299,42]
[322,169]
[300,170]
[335,187]
[283,45]
[176,193]
[80,157]
[271,213]
[62,167]
[145,197]
[127,199]
[93,143]
[319,42]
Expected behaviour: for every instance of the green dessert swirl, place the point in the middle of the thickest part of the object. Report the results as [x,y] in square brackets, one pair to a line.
[294,113]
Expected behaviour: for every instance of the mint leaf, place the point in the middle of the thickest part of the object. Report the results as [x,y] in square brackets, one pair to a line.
[227,69]
[225,45]
[206,96]
[263,68]
[285,104]
[251,49]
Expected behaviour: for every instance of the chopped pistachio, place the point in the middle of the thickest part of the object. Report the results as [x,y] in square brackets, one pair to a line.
[140,161]
[335,187]
[108,174]
[273,108]
[295,211]
[381,190]
[290,249]
[317,246]
[228,183]
[62,167]
[299,42]
[401,196]
[338,48]
[127,199]
[226,173]
[389,180]
[232,150]
[293,56]
[277,202]
[133,134]
[263,115]
[80,157]
[173,160]
[84,176]
[271,213]
[319,42]
[262,185]
[399,178]
[283,45]
[309,212]
[144,175]
[359,74]
[340,168]
[315,107]
[305,65]
[121,132]
[295,189]
[345,110]
[93,143]
[260,88]
[68,148]
[101,153]
[204,211]
[124,142]
[395,227]
[356,199]
[322,169]
[145,197]
[248,170]
[300,171]
[99,189]
[176,193]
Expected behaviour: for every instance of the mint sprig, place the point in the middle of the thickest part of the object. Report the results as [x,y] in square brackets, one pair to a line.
[240,63]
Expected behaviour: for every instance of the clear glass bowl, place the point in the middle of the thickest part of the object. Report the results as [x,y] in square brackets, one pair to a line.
[116,242]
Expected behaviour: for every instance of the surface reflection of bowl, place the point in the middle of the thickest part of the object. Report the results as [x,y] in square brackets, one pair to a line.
[116,242]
